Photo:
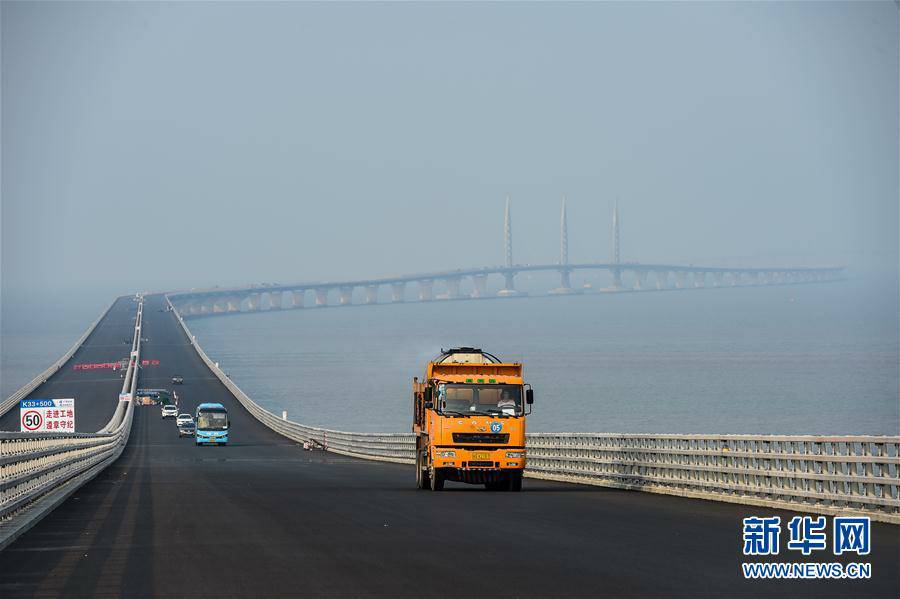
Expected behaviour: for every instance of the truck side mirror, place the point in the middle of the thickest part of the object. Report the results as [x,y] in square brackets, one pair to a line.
[529,396]
[426,394]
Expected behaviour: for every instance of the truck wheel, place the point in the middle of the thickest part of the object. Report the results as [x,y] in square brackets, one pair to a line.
[422,481]
[515,482]
[437,480]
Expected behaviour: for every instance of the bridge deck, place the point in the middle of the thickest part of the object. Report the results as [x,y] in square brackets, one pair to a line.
[96,390]
[264,518]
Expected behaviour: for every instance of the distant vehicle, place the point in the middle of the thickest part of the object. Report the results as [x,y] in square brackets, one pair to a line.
[155,396]
[182,418]
[177,380]
[212,424]
[169,411]
[187,428]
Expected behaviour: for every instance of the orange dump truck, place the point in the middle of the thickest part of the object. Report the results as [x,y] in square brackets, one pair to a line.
[469,420]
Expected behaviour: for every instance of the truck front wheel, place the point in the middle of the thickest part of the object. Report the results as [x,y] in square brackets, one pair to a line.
[515,482]
[437,480]
[422,481]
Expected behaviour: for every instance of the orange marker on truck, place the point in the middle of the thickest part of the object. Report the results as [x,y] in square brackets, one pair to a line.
[469,420]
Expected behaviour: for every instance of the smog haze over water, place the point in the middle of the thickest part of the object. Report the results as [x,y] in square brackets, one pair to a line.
[152,146]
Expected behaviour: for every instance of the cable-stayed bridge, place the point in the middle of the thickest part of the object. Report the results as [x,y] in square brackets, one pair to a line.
[473,283]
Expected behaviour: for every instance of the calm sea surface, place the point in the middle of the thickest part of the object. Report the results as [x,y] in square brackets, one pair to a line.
[812,359]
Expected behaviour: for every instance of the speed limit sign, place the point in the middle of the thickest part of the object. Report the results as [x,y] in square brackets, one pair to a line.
[32,421]
[47,415]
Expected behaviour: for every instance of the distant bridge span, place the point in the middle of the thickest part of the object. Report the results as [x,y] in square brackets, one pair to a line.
[625,276]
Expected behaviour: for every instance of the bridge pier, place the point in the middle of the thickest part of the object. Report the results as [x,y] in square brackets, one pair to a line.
[452,287]
[640,280]
[233,304]
[480,282]
[321,297]
[219,305]
[617,278]
[718,278]
[372,294]
[253,302]
[699,279]
[680,279]
[204,307]
[346,295]
[426,290]
[662,279]
[398,291]
[298,298]
[275,299]
[735,278]
[509,287]
[565,284]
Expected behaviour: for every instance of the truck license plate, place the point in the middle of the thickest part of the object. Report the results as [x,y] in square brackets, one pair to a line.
[481,455]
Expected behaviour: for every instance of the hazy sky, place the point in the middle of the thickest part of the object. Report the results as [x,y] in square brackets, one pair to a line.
[154,146]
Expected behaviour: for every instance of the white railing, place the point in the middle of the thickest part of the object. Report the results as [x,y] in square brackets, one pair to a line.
[39,470]
[829,475]
[852,474]
[13,400]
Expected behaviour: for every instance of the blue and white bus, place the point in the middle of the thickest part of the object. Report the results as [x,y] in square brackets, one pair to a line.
[212,424]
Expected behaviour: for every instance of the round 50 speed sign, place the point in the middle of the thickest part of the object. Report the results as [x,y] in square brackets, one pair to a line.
[32,420]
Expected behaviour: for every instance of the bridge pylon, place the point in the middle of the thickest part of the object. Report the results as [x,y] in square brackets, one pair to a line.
[565,284]
[509,288]
[616,257]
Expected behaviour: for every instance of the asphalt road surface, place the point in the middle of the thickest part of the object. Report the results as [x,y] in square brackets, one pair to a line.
[261,517]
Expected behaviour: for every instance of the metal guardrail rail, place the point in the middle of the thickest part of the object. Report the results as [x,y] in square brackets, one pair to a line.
[39,470]
[13,400]
[829,475]
[857,475]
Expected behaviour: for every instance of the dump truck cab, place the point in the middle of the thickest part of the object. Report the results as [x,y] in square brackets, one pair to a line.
[469,421]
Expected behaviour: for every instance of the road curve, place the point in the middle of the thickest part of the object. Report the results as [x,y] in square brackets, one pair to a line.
[263,518]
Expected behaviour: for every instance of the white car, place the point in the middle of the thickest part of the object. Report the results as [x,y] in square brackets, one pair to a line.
[169,411]
[186,427]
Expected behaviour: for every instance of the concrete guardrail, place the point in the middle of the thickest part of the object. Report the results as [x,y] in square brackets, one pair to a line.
[38,471]
[857,475]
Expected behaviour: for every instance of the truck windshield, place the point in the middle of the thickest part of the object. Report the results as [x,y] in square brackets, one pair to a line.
[215,421]
[480,399]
